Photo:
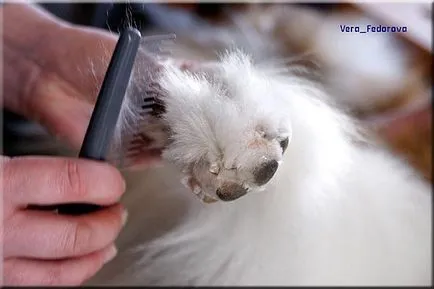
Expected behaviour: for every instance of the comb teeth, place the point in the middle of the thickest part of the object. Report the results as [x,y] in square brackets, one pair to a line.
[158,44]
[152,106]
[145,93]
[158,109]
[148,105]
[138,144]
[141,139]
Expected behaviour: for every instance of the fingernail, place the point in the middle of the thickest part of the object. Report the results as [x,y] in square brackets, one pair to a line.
[124,217]
[110,254]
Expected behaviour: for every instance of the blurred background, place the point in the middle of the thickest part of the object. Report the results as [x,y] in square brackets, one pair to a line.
[382,79]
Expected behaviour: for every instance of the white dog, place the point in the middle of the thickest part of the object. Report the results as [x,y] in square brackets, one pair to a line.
[300,197]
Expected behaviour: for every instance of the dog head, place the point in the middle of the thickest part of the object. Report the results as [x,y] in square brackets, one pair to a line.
[228,128]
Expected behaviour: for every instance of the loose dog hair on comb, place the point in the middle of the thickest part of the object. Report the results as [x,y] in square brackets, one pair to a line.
[141,104]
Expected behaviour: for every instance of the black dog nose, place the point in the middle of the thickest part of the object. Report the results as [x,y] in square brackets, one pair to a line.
[284,144]
[265,172]
[230,192]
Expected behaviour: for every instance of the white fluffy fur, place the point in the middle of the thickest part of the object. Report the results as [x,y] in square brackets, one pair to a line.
[215,116]
[335,213]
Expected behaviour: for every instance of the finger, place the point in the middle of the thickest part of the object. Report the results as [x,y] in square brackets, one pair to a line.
[46,235]
[51,180]
[70,272]
[68,120]
[89,51]
[60,109]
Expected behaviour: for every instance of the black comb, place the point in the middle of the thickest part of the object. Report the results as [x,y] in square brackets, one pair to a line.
[139,142]
[146,100]
[106,112]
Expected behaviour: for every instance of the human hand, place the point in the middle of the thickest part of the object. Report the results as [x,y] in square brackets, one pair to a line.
[50,78]
[54,78]
[44,248]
